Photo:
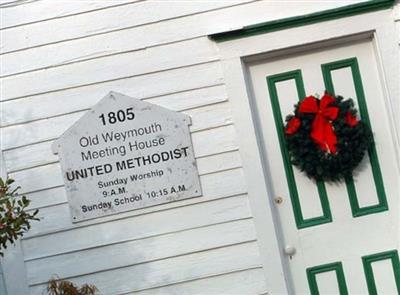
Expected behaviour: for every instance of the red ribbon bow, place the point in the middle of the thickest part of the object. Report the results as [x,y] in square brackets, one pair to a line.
[322,131]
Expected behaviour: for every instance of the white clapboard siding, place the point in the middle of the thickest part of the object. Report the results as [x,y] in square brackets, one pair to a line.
[137,227]
[146,86]
[38,131]
[173,30]
[101,21]
[29,156]
[219,162]
[157,248]
[212,116]
[177,269]
[244,282]
[214,141]
[17,13]
[25,109]
[47,129]
[48,197]
[48,227]
[214,186]
[155,59]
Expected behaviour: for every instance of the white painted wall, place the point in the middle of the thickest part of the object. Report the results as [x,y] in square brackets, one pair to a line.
[58,60]
[397,18]
[2,285]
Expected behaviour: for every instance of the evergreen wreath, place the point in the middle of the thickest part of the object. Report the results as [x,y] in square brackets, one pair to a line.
[325,139]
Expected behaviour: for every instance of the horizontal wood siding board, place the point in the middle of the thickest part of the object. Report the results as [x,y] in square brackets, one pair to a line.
[49,197]
[167,83]
[29,156]
[38,131]
[103,21]
[177,269]
[281,24]
[243,282]
[205,89]
[58,218]
[17,13]
[128,253]
[156,59]
[219,162]
[155,34]
[195,215]
[48,129]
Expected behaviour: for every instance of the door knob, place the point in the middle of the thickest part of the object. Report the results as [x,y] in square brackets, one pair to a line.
[290,250]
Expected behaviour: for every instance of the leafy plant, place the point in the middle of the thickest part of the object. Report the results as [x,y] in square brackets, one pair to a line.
[14,220]
[61,287]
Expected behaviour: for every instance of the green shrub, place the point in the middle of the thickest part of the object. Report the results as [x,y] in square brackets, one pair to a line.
[14,220]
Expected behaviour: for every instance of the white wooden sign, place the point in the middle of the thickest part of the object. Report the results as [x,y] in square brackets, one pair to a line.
[126,154]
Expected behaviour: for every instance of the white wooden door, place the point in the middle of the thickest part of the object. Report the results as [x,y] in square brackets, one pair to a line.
[345,236]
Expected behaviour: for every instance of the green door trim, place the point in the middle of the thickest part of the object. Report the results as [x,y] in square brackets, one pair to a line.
[337,267]
[376,171]
[307,19]
[294,195]
[393,255]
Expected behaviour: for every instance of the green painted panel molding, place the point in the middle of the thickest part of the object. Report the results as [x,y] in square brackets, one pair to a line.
[307,19]
[382,204]
[301,222]
[336,267]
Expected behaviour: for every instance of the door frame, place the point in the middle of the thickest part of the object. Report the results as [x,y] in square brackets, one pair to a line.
[379,27]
